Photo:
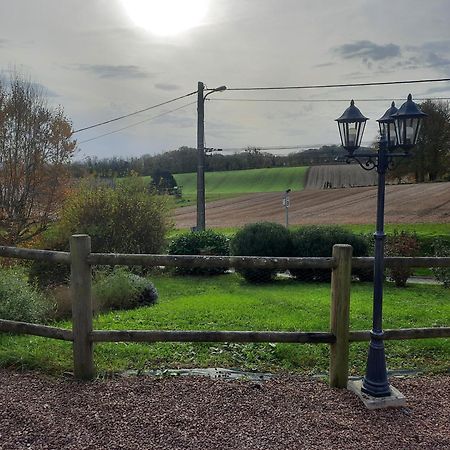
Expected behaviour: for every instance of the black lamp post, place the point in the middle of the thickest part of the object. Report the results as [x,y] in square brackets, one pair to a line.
[398,129]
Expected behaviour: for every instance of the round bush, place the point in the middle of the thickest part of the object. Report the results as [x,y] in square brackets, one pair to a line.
[19,300]
[206,242]
[124,219]
[261,239]
[122,289]
[318,241]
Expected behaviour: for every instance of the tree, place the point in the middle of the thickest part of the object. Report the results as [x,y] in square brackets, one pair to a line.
[35,147]
[430,158]
[163,181]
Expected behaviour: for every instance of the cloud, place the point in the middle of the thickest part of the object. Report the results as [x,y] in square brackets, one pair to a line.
[368,51]
[110,71]
[167,86]
[3,42]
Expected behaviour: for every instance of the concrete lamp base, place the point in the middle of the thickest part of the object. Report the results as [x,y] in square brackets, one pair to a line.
[395,400]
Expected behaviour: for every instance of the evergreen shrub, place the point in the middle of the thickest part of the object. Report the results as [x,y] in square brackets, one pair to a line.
[318,241]
[261,239]
[206,242]
[442,274]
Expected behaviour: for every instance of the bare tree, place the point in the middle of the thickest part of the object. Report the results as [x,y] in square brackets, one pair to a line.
[35,147]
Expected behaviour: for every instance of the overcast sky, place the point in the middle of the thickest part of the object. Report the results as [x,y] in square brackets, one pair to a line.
[93,58]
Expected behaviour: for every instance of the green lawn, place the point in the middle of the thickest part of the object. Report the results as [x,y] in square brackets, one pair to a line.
[421,229]
[228,303]
[237,182]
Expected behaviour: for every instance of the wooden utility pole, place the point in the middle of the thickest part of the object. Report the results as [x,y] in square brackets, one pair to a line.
[200,158]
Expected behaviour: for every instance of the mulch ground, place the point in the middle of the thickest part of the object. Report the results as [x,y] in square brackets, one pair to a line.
[37,412]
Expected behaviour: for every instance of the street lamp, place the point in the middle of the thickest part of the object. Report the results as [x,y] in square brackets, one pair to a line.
[398,129]
[201,97]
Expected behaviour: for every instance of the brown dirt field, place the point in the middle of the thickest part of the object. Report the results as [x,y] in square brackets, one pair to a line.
[412,203]
[339,176]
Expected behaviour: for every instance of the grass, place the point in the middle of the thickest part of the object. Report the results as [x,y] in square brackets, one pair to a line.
[238,182]
[228,303]
[421,229]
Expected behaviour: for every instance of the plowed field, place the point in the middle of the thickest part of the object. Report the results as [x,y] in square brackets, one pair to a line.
[339,176]
[413,203]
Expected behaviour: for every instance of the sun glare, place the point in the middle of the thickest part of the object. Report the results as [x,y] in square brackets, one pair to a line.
[166,17]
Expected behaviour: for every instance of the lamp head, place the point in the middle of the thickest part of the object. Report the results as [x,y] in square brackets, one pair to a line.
[351,126]
[407,122]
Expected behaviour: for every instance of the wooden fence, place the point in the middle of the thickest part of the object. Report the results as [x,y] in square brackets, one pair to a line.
[339,336]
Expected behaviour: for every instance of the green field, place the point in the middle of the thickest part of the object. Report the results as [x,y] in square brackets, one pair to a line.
[238,182]
[228,303]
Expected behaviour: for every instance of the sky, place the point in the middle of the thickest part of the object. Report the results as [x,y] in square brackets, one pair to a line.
[100,59]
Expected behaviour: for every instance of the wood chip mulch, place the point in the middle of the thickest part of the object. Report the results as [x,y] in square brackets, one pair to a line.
[38,412]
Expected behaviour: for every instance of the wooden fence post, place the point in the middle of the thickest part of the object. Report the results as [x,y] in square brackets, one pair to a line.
[80,282]
[340,315]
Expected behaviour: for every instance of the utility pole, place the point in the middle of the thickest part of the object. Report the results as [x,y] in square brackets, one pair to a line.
[201,97]
[200,158]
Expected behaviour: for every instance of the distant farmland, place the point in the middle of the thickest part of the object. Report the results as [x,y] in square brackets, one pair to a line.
[339,176]
[276,179]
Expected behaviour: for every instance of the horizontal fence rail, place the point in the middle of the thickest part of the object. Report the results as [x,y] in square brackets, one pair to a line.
[39,255]
[11,326]
[404,261]
[295,337]
[239,262]
[83,336]
[213,336]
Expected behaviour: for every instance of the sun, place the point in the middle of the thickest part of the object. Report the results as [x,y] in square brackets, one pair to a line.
[166,17]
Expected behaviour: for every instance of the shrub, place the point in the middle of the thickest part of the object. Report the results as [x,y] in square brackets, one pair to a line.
[318,241]
[122,289]
[260,239]
[18,299]
[401,244]
[46,274]
[442,274]
[125,219]
[206,242]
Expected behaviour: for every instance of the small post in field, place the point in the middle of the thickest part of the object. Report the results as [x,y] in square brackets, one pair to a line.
[340,314]
[80,282]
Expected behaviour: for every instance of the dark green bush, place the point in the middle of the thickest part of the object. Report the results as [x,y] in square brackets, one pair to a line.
[206,242]
[260,239]
[401,244]
[122,289]
[442,274]
[318,241]
[18,299]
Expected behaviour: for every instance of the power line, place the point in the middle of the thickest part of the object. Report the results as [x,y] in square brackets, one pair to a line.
[321,86]
[133,113]
[279,147]
[321,100]
[137,123]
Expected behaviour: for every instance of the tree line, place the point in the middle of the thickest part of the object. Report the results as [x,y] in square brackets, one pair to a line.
[184,160]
